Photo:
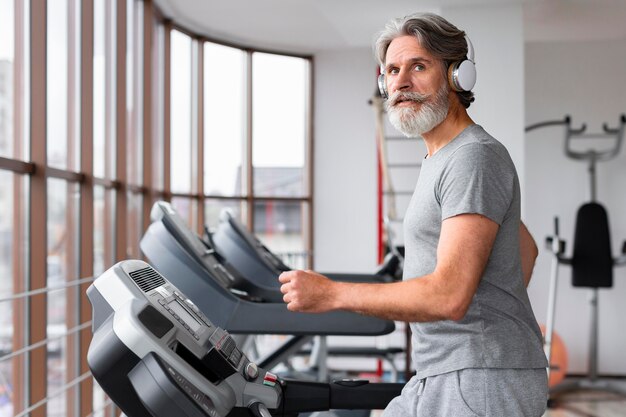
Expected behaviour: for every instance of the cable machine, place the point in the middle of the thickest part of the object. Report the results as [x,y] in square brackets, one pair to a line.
[592,262]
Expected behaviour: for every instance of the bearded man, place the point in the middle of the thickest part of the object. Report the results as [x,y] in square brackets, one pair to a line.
[477,347]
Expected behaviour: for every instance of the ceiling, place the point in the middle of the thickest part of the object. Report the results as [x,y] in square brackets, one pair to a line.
[310,26]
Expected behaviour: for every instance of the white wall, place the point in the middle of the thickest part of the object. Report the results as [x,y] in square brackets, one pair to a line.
[586,81]
[345,151]
[498,38]
[345,162]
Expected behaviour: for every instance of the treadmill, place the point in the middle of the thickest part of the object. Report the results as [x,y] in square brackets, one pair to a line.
[226,296]
[156,354]
[171,247]
[255,261]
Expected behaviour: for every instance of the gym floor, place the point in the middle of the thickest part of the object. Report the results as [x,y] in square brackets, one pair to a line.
[582,404]
[589,404]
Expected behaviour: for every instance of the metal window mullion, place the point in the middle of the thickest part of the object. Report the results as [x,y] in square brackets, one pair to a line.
[167,58]
[200,137]
[37,317]
[310,168]
[72,358]
[248,153]
[85,393]
[193,121]
[18,369]
[120,126]
[148,154]
[16,166]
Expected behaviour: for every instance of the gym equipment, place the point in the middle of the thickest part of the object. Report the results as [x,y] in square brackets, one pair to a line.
[461,74]
[157,355]
[219,291]
[258,264]
[592,261]
[171,247]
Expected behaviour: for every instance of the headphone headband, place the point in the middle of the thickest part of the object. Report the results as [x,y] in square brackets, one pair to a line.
[470,48]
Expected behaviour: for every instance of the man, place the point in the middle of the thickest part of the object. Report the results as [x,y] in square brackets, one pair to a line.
[476,344]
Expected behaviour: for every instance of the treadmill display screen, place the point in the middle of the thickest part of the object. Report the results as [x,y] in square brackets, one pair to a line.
[185,316]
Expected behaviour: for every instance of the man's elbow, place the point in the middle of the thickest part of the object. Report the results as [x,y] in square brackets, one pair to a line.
[534,251]
[456,309]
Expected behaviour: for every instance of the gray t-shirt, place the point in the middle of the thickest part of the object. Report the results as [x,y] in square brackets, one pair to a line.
[472,174]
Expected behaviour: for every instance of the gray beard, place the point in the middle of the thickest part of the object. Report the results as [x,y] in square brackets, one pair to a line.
[414,122]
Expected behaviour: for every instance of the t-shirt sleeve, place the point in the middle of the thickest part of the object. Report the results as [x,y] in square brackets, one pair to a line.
[476,180]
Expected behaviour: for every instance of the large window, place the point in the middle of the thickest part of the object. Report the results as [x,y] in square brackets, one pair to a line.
[256,141]
[279,125]
[180,134]
[106,107]
[224,120]
[279,138]
[104,91]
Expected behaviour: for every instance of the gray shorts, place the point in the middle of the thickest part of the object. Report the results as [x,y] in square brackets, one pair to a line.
[474,392]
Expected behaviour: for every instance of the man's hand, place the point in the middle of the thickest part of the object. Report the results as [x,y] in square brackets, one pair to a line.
[307,291]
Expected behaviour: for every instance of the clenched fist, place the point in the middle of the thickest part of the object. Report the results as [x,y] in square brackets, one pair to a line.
[308,291]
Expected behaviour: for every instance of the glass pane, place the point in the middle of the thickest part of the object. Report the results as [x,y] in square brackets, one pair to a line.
[63,85]
[180,134]
[187,209]
[57,84]
[134,224]
[104,89]
[7,41]
[104,229]
[13,270]
[134,91]
[213,208]
[280,226]
[224,120]
[279,130]
[6,289]
[62,304]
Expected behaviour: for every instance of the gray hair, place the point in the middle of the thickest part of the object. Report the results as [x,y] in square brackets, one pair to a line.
[438,36]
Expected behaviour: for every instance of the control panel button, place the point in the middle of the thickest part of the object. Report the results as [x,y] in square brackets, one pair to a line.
[270,379]
[252,371]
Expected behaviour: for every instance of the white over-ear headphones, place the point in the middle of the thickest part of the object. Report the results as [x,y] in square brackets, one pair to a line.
[461,74]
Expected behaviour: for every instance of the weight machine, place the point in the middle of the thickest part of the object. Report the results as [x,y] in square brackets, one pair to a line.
[592,262]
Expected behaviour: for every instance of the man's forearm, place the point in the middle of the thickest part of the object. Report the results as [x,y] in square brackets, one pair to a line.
[414,300]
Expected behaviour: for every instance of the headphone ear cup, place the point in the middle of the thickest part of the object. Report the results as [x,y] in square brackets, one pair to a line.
[382,87]
[462,75]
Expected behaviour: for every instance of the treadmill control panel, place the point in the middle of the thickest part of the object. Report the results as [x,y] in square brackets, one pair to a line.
[186,313]
[171,349]
[182,311]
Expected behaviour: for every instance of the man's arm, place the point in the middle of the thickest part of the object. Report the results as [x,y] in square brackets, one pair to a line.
[445,294]
[528,252]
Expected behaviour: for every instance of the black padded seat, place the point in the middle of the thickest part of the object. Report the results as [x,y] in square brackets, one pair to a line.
[592,262]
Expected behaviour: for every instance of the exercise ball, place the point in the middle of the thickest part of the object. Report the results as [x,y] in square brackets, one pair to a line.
[558,358]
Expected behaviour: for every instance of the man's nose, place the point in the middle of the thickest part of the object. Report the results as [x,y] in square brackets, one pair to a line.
[402,82]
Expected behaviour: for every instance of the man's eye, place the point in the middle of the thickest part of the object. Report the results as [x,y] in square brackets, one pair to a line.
[394,71]
[419,67]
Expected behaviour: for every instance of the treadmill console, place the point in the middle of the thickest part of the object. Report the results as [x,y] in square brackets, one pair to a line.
[204,253]
[170,348]
[273,261]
